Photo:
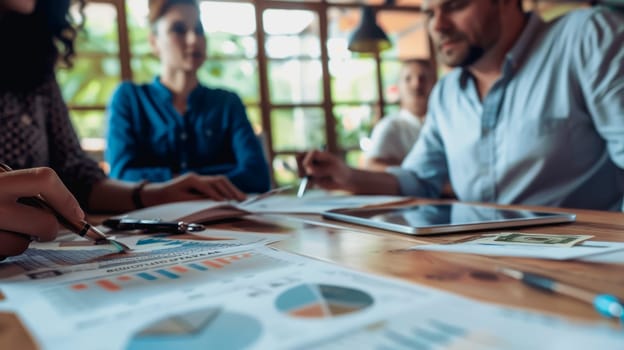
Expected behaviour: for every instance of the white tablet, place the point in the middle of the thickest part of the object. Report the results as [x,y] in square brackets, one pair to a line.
[445,218]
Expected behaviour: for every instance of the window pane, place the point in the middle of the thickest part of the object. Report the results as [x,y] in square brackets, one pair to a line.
[228,17]
[390,71]
[355,158]
[138,28]
[222,45]
[89,124]
[284,169]
[353,123]
[253,113]
[144,68]
[91,81]
[298,129]
[291,33]
[295,81]
[353,80]
[100,30]
[240,76]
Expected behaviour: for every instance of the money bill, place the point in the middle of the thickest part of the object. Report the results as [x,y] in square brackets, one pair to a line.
[533,239]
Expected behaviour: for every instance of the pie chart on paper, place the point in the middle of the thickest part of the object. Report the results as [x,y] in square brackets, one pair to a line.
[322,301]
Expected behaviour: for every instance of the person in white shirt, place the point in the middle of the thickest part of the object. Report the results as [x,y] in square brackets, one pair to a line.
[395,134]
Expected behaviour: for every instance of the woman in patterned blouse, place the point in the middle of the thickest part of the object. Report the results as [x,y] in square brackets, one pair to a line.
[36,134]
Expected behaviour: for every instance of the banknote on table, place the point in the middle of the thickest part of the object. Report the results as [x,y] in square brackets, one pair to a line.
[533,239]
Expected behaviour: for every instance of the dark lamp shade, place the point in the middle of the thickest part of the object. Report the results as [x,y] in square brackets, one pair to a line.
[368,37]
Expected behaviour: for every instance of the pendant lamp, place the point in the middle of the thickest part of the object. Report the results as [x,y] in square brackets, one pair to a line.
[368,37]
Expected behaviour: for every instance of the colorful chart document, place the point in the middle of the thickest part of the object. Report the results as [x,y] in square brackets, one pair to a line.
[253,297]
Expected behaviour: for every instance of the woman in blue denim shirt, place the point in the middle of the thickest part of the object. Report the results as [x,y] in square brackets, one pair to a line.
[175,125]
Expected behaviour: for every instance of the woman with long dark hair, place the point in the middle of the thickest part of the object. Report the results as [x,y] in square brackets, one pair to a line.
[36,135]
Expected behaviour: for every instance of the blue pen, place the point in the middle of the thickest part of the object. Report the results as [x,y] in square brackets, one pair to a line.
[607,305]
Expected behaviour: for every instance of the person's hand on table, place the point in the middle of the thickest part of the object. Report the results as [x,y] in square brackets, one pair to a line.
[191,187]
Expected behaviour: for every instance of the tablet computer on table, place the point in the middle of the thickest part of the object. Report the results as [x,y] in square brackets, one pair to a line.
[427,219]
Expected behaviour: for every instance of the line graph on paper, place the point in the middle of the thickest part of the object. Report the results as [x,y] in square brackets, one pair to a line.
[52,259]
[134,287]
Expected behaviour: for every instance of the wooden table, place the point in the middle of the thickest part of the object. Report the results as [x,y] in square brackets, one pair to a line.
[386,253]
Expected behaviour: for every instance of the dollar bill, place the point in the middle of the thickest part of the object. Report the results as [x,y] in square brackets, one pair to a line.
[533,239]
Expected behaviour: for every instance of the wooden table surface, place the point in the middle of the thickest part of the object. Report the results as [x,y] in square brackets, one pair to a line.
[386,253]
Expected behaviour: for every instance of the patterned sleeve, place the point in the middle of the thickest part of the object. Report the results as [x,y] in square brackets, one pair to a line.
[78,171]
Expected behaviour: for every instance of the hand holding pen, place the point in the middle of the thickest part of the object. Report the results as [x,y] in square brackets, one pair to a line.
[323,169]
[33,205]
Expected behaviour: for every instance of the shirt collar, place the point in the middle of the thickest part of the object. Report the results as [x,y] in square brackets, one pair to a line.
[164,93]
[521,48]
[409,116]
[161,89]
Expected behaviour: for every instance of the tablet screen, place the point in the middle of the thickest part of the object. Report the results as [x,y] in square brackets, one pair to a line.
[439,218]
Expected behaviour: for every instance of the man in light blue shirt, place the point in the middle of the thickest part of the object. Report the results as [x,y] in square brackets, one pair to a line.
[533,113]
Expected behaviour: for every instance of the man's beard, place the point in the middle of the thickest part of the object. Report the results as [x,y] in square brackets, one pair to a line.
[474,53]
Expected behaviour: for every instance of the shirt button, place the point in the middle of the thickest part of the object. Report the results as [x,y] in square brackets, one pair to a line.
[26,119]
[183,136]
[208,132]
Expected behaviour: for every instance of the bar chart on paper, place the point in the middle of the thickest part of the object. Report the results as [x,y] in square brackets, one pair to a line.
[209,328]
[134,286]
[322,301]
[427,334]
[57,255]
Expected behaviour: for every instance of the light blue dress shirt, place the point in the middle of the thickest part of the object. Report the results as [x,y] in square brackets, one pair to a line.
[550,131]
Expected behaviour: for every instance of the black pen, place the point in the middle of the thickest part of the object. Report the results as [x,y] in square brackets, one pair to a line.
[81,227]
[152,225]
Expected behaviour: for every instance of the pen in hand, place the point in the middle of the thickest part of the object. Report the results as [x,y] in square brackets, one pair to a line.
[305,180]
[80,227]
[606,304]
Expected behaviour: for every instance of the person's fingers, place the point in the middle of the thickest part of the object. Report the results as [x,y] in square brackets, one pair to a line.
[191,186]
[44,182]
[310,162]
[204,187]
[320,164]
[13,243]
[228,190]
[16,217]
[215,187]
[299,157]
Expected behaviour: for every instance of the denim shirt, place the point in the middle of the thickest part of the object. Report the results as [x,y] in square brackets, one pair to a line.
[550,131]
[148,139]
